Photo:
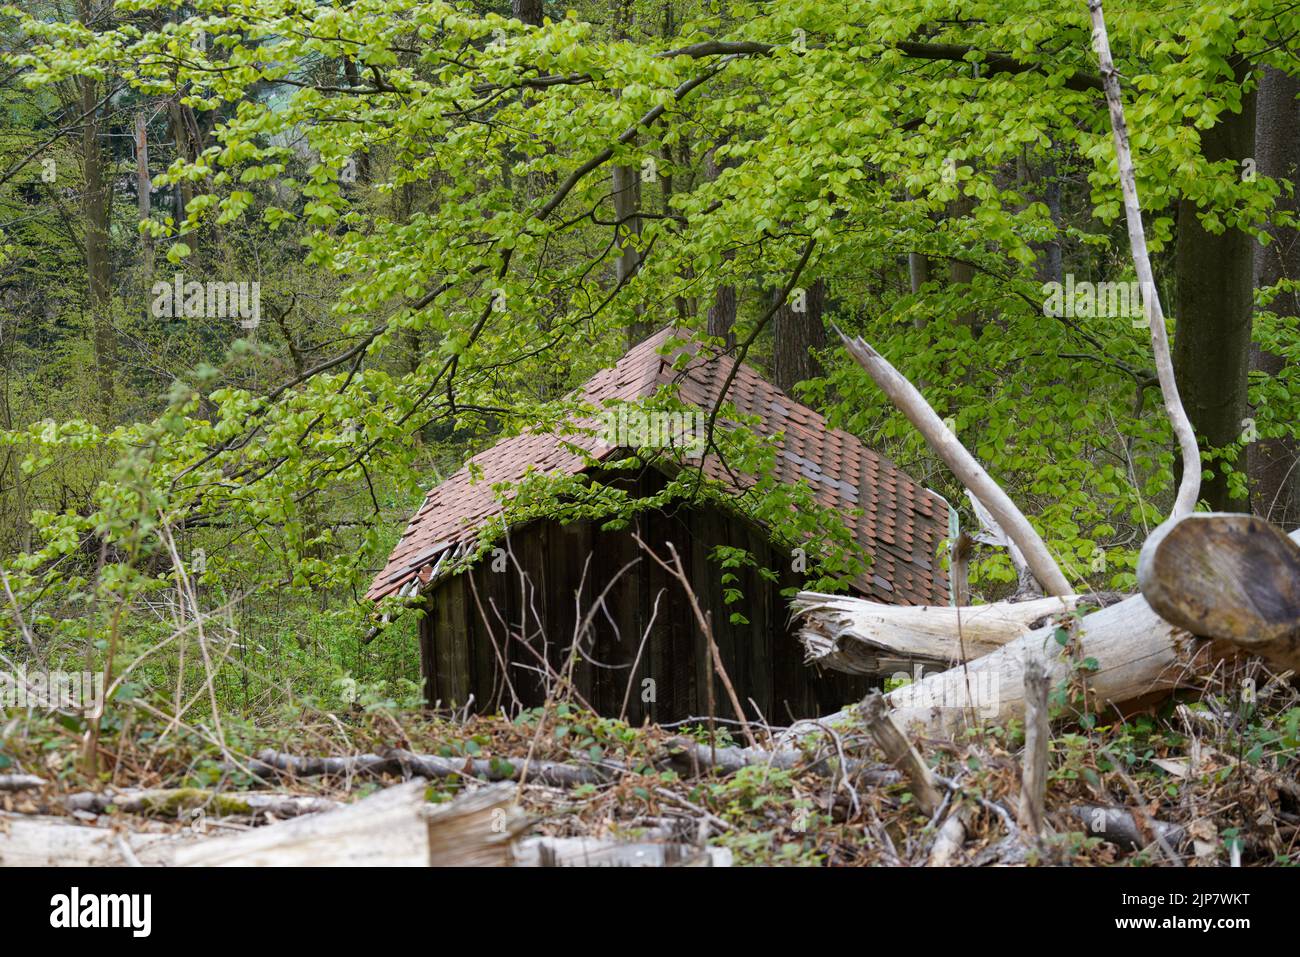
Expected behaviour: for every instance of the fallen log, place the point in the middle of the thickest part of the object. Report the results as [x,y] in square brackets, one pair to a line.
[476,829]
[1136,653]
[1226,576]
[406,763]
[690,757]
[1120,826]
[385,829]
[594,852]
[177,802]
[37,841]
[20,782]
[396,827]
[864,637]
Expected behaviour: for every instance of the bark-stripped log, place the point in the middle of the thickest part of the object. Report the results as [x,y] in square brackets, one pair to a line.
[385,830]
[1234,577]
[476,829]
[32,841]
[19,782]
[1137,652]
[594,852]
[865,637]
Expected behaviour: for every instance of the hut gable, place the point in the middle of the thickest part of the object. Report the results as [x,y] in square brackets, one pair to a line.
[900,524]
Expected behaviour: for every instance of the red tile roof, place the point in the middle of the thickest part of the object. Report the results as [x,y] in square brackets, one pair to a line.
[900,526]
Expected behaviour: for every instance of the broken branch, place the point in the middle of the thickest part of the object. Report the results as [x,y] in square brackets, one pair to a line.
[969,472]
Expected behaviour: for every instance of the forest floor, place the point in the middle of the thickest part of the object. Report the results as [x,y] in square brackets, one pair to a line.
[1219,784]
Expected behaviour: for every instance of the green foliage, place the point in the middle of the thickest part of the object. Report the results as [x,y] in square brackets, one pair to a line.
[421,188]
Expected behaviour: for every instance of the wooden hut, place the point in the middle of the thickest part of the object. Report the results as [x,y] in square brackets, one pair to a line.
[491,631]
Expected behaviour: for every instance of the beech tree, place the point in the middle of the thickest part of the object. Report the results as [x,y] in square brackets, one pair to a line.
[867,154]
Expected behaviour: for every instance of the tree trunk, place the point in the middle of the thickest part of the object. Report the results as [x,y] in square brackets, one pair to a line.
[797,334]
[962,273]
[143,188]
[626,182]
[363,158]
[627,203]
[183,191]
[1049,266]
[1213,309]
[918,271]
[722,313]
[527,11]
[1274,476]
[96,207]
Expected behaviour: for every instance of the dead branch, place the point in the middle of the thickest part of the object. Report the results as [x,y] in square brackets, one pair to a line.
[948,842]
[900,753]
[690,757]
[1033,780]
[969,472]
[177,802]
[20,782]
[1189,488]
[1119,826]
[404,763]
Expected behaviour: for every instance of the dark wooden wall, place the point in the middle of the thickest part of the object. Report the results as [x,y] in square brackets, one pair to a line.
[475,621]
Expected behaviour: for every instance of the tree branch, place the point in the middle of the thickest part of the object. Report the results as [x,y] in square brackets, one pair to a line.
[1189,489]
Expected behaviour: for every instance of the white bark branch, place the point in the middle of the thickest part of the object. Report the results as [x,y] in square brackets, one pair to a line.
[1189,489]
[1012,521]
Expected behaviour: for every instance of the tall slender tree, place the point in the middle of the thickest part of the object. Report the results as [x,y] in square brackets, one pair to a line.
[1274,472]
[97,206]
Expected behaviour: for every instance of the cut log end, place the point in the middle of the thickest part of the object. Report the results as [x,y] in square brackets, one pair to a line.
[1227,576]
